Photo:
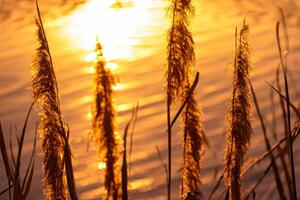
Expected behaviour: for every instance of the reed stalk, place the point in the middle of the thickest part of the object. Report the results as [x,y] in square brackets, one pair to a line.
[16,188]
[238,119]
[55,146]
[104,128]
[180,57]
[288,114]
[274,166]
[193,149]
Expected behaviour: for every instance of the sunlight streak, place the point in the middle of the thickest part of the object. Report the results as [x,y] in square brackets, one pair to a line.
[111,24]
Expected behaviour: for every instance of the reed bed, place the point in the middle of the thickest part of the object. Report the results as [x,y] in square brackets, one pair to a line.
[58,177]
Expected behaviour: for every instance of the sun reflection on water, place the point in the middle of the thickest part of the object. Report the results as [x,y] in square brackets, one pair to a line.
[116,27]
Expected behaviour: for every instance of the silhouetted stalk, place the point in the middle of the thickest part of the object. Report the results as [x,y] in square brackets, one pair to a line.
[45,94]
[104,131]
[124,166]
[55,142]
[162,163]
[135,111]
[295,134]
[20,188]
[282,158]
[238,119]
[180,58]
[268,146]
[124,163]
[169,149]
[289,137]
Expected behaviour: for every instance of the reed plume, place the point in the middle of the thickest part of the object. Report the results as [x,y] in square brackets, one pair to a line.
[55,147]
[193,149]
[180,57]
[238,118]
[104,132]
[45,94]
[180,49]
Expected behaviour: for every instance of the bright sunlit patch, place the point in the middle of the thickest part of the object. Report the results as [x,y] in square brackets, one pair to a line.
[89,70]
[101,165]
[123,107]
[117,87]
[117,27]
[91,57]
[89,115]
[140,184]
[111,66]
[86,99]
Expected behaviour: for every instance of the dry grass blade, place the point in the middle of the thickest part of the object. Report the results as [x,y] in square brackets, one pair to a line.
[282,158]
[296,110]
[162,163]
[5,190]
[30,169]
[124,162]
[20,189]
[259,180]
[215,188]
[69,166]
[21,142]
[9,174]
[136,109]
[296,132]
[188,95]
[274,166]
[273,111]
[286,172]
[289,139]
[124,165]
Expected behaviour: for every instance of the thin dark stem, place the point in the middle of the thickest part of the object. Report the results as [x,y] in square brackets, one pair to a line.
[189,93]
[169,149]
[289,139]
[268,146]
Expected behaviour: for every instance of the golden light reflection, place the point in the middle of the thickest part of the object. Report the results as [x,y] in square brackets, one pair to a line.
[111,66]
[117,86]
[90,70]
[89,115]
[117,28]
[141,184]
[101,165]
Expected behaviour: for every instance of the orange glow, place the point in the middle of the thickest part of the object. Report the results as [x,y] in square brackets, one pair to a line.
[115,26]
[101,165]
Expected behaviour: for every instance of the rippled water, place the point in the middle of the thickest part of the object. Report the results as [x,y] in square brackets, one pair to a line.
[134,41]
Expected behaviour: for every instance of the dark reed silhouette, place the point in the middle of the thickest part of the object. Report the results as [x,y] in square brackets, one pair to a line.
[180,57]
[55,147]
[104,132]
[124,168]
[16,187]
[288,129]
[268,147]
[238,118]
